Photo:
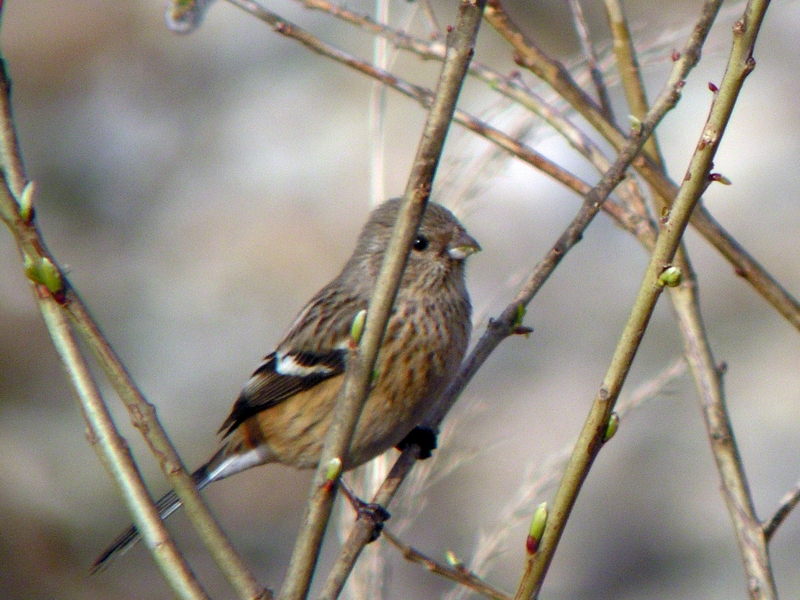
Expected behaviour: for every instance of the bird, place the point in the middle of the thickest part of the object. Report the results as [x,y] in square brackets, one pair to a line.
[284,410]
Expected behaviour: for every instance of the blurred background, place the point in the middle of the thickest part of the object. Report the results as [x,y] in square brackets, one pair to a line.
[200,188]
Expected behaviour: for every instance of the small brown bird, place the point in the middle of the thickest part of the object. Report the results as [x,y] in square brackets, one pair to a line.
[284,411]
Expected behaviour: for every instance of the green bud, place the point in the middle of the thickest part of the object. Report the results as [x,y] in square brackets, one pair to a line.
[357,328]
[26,202]
[51,276]
[536,531]
[31,270]
[671,276]
[334,469]
[611,428]
[636,123]
[453,560]
[44,272]
[520,314]
[724,180]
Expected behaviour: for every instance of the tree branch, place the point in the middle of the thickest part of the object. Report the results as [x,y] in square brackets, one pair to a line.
[785,506]
[460,44]
[19,215]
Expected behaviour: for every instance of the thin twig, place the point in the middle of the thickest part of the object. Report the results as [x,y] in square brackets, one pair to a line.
[582,29]
[785,506]
[555,75]
[433,24]
[460,575]
[548,471]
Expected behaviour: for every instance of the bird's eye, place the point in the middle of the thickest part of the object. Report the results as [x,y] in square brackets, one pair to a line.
[421,243]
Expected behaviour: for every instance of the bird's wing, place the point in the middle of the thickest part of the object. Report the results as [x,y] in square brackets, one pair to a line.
[278,378]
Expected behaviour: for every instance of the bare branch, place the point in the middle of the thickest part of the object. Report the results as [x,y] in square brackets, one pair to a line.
[590,55]
[460,44]
[142,413]
[785,506]
[459,574]
[628,67]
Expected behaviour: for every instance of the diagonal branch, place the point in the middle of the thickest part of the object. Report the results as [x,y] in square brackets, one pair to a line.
[749,533]
[789,501]
[19,215]
[113,452]
[459,573]
[559,79]
[506,325]
[582,29]
[460,44]
[628,67]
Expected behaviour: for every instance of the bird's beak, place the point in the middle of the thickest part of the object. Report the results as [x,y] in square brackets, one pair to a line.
[462,246]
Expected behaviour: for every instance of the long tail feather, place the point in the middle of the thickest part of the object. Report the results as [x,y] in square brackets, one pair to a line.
[167,505]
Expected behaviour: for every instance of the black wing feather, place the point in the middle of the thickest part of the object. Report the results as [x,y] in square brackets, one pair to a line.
[267,387]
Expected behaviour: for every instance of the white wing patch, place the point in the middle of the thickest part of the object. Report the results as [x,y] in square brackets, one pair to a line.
[288,364]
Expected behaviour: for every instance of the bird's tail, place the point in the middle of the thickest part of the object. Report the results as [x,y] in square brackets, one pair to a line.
[167,505]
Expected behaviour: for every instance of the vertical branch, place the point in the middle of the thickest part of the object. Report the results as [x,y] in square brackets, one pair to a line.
[749,533]
[629,72]
[747,529]
[13,171]
[377,110]
[460,48]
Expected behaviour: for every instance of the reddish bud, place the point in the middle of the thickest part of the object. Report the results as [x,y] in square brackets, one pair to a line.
[713,87]
[719,178]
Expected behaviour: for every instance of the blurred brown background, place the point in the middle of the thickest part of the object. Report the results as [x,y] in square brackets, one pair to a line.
[200,188]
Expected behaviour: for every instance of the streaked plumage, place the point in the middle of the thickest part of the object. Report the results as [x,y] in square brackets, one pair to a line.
[285,408]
